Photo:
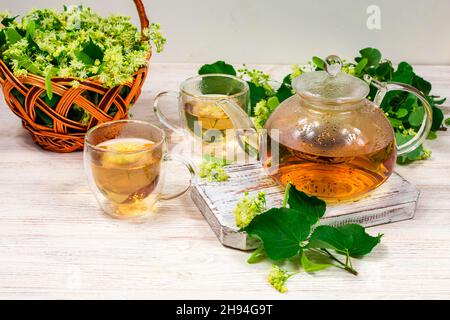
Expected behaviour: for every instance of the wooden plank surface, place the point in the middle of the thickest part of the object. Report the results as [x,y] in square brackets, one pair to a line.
[55,242]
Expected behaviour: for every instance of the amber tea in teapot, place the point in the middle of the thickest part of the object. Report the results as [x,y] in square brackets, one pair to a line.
[325,168]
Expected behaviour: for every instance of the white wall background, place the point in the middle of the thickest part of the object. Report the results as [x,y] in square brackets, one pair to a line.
[284,31]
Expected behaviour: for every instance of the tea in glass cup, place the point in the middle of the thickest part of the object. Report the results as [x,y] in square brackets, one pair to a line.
[198,108]
[124,163]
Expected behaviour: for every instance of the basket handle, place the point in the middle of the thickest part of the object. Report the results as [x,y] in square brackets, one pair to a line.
[142,14]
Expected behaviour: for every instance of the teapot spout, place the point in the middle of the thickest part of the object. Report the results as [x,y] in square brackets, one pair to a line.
[246,133]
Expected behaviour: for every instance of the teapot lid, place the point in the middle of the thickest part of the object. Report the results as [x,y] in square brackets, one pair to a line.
[331,84]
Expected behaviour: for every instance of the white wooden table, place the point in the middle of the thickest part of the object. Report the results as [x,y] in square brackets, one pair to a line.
[56,243]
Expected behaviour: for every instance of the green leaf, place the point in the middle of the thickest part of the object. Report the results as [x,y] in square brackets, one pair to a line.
[93,51]
[311,266]
[26,63]
[281,230]
[384,71]
[432,135]
[404,73]
[421,84]
[83,57]
[311,206]
[447,122]
[396,123]
[217,67]
[350,239]
[416,117]
[372,55]
[256,94]
[257,256]
[402,112]
[328,237]
[411,102]
[48,81]
[362,242]
[7,21]
[287,80]
[435,101]
[12,36]
[438,117]
[2,37]
[318,62]
[273,103]
[31,27]
[361,65]
[53,101]
[416,154]
[43,119]
[90,53]
[283,92]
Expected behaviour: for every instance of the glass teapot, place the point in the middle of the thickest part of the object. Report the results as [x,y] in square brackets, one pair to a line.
[328,139]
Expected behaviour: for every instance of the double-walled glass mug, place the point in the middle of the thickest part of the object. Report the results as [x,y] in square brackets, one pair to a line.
[125,163]
[198,110]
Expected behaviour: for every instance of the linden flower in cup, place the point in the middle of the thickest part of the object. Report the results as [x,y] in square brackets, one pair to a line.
[124,151]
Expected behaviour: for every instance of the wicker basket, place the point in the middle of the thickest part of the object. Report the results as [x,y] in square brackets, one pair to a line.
[67,135]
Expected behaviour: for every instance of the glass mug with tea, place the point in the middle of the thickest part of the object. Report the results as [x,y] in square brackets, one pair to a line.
[328,139]
[125,165]
[198,111]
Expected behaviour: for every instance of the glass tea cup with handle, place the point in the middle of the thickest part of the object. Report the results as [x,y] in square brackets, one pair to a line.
[199,113]
[125,162]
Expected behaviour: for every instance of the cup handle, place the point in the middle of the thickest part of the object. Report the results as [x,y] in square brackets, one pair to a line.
[189,166]
[246,133]
[160,115]
[424,130]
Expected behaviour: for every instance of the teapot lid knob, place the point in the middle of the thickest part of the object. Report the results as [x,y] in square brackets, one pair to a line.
[331,84]
[333,65]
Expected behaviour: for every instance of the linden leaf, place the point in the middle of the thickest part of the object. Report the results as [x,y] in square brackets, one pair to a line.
[281,230]
[48,81]
[12,35]
[362,243]
[372,55]
[217,67]
[312,206]
[328,237]
[311,266]
[350,239]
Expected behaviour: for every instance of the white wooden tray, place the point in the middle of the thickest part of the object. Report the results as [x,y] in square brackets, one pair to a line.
[394,201]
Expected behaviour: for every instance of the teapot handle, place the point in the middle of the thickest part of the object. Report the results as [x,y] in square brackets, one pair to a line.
[424,130]
[247,135]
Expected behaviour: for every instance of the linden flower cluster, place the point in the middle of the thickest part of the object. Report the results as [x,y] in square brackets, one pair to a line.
[248,208]
[257,77]
[278,277]
[213,171]
[77,43]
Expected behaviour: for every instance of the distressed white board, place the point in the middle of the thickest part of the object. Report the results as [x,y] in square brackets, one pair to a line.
[393,201]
